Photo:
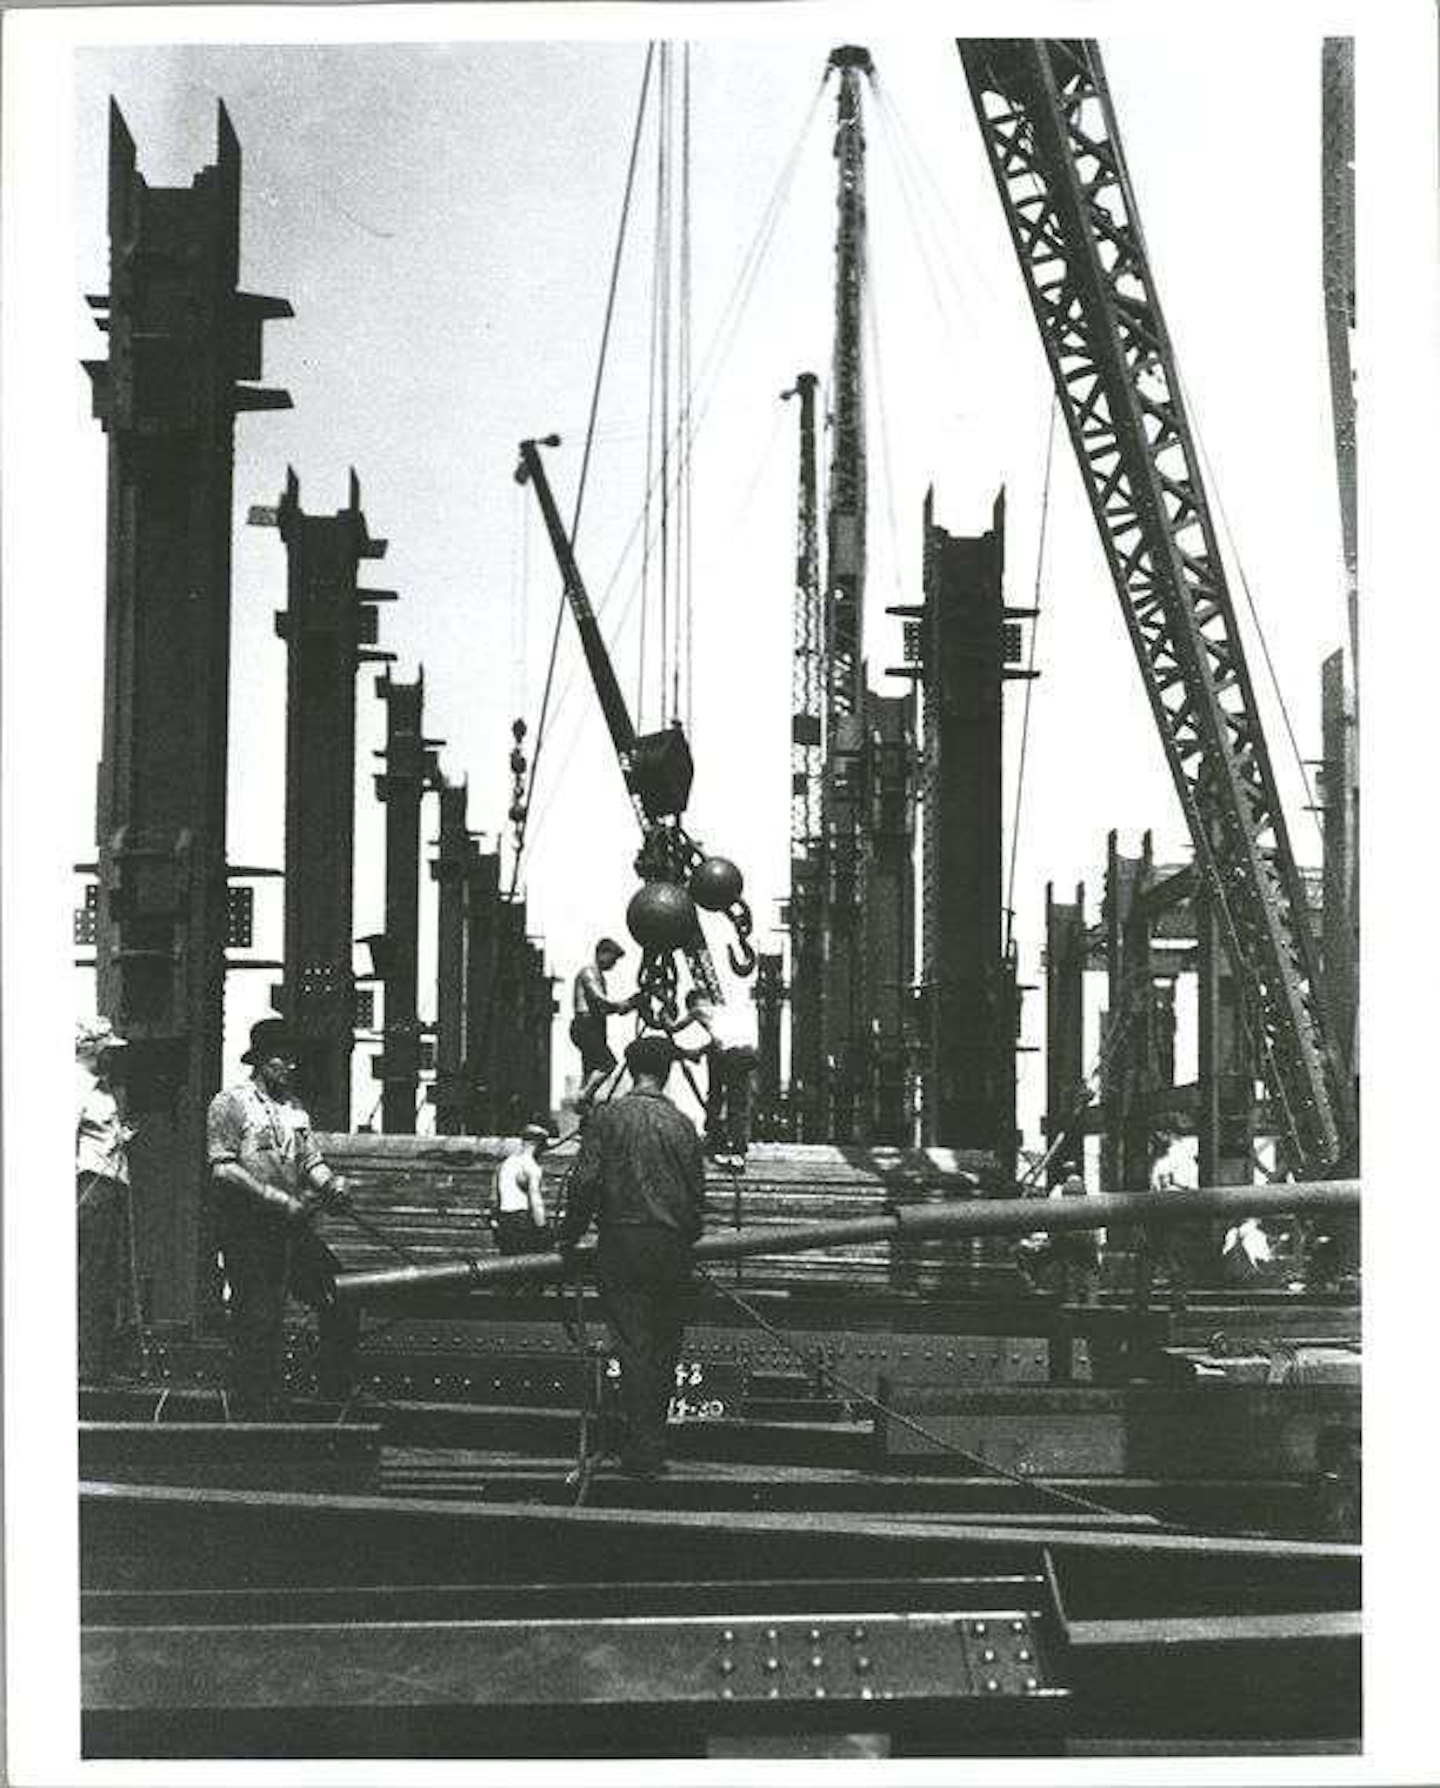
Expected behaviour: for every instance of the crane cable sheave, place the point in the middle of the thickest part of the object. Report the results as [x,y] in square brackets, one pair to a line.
[658,770]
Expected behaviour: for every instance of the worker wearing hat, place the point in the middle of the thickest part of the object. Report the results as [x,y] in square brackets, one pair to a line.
[592,1007]
[519,1195]
[269,1180]
[105,1303]
[640,1176]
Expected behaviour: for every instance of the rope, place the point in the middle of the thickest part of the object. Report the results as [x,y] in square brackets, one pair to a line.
[1029,681]
[686,492]
[662,253]
[853,1391]
[585,459]
[707,380]
[1313,809]
[868,301]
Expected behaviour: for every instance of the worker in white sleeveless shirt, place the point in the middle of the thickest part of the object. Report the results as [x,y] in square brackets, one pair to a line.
[731,1054]
[519,1195]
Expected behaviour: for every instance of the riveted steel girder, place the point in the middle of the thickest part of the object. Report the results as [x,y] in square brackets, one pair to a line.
[1054,147]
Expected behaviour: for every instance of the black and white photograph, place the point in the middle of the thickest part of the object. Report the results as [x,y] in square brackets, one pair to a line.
[682,735]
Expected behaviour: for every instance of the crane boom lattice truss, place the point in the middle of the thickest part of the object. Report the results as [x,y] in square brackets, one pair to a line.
[808,682]
[1054,148]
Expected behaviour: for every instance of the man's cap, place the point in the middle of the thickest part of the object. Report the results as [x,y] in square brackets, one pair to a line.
[269,1036]
[650,1055]
[609,944]
[1072,1185]
[537,1132]
[94,1034]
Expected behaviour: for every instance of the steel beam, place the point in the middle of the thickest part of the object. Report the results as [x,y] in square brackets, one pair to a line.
[1010,1216]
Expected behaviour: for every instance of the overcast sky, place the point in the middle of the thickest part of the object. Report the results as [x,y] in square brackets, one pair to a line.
[442,217]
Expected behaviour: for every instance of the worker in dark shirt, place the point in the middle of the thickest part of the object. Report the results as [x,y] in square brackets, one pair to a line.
[640,1175]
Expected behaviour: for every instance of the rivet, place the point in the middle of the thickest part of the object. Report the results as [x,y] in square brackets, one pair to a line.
[727,1666]
[993,1686]
[819,1691]
[857,1634]
[987,1655]
[979,1626]
[1017,1626]
[773,1693]
[1023,1654]
[728,1636]
[814,1635]
[867,1693]
[1031,1683]
[772,1664]
[817,1662]
[862,1663]
[771,1635]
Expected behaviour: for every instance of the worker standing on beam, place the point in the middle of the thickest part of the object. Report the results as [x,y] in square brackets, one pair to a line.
[270,1180]
[593,1006]
[731,1053]
[640,1176]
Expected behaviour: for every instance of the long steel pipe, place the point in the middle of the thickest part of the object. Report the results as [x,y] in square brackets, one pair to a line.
[911,1222]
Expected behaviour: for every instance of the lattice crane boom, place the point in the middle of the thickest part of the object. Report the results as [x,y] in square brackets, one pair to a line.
[1054,148]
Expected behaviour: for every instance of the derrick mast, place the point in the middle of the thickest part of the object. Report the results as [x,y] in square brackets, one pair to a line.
[845,1030]
[807,764]
[1054,147]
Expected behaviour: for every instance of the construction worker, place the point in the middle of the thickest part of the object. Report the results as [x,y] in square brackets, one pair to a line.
[731,1054]
[104,1227]
[1245,1253]
[592,1007]
[519,1196]
[640,1176]
[269,1180]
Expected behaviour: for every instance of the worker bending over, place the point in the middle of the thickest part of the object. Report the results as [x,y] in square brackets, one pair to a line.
[731,1052]
[592,1007]
[640,1176]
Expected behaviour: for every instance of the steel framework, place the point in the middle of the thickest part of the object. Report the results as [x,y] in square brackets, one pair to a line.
[1051,137]
[808,684]
[845,1035]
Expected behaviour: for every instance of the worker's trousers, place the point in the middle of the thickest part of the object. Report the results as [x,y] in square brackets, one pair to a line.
[644,1276]
[727,1109]
[266,1260]
[100,1267]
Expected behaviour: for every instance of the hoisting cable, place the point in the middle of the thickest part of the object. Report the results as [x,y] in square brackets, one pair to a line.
[987,1467]
[1127,188]
[868,300]
[712,364]
[585,459]
[686,490]
[909,197]
[1313,808]
[662,300]
[1030,676]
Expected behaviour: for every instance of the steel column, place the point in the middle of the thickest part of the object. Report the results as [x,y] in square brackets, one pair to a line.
[183,342]
[328,626]
[410,769]
[454,847]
